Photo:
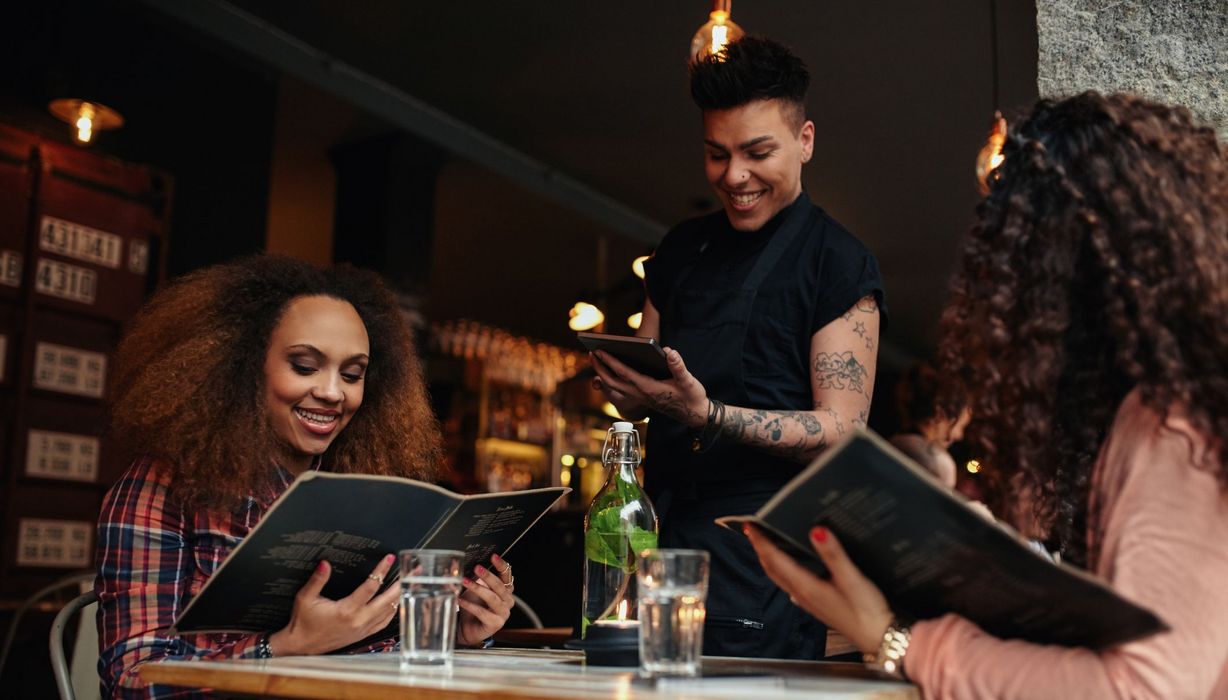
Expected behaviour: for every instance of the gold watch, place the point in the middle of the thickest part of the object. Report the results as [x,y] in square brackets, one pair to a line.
[891,650]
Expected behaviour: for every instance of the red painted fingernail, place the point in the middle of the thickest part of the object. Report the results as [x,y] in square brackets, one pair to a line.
[466,582]
[480,570]
[496,558]
[819,534]
[388,559]
[746,529]
[321,566]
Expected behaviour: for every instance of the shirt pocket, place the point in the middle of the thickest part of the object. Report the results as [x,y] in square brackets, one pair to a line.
[209,550]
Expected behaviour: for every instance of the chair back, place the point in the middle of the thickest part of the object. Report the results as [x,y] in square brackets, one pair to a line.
[59,658]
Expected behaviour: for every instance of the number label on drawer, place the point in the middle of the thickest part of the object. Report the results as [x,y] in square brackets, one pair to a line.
[53,455]
[60,544]
[80,242]
[10,268]
[65,281]
[69,370]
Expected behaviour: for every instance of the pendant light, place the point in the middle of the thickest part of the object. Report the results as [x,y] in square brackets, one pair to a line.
[990,155]
[718,32]
[87,118]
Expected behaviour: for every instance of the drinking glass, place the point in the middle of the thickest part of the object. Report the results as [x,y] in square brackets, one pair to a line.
[430,584]
[673,585]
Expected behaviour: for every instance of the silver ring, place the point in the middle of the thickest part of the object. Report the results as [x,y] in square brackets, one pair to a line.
[394,605]
[377,579]
[508,584]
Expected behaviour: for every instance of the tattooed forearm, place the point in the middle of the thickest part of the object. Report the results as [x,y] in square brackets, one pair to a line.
[797,435]
[672,405]
[840,371]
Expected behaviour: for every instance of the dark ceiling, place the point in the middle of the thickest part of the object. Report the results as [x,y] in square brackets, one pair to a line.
[901,96]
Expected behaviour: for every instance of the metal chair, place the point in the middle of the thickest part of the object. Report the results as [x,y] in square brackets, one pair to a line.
[59,659]
[73,581]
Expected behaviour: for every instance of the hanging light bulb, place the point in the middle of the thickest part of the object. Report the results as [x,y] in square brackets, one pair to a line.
[635,319]
[637,265]
[86,118]
[717,33]
[584,316]
[990,155]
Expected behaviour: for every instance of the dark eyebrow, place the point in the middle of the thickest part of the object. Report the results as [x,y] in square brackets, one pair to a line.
[304,347]
[742,146]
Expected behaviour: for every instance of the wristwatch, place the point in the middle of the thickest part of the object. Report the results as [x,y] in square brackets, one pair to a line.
[891,650]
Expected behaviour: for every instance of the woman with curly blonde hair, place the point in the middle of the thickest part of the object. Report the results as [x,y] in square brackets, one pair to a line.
[231,382]
[1087,331]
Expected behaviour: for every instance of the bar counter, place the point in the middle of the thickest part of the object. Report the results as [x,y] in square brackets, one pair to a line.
[518,674]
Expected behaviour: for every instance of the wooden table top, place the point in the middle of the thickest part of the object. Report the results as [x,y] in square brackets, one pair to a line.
[518,674]
[554,637]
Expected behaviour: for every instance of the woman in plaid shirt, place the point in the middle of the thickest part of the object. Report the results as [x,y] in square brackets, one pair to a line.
[231,382]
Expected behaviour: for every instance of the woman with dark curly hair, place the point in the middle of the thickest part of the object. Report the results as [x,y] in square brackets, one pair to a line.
[1089,316]
[231,382]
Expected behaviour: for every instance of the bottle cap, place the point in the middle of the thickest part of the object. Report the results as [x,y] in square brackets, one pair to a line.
[623,426]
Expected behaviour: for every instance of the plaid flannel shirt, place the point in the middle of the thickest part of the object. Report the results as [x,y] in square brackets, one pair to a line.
[153,557]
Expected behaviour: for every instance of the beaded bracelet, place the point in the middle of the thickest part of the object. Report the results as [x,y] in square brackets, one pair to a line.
[263,650]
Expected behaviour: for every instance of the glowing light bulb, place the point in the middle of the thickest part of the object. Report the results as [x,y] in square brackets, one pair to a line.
[990,155]
[717,33]
[85,118]
[567,460]
[973,466]
[85,122]
[584,316]
[635,319]
[637,265]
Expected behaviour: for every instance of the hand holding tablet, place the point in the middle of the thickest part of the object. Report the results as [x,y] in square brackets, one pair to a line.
[643,355]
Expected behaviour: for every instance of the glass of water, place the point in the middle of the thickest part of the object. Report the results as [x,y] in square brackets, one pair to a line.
[673,585]
[430,583]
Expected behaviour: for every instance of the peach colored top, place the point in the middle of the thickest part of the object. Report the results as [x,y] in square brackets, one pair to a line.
[1158,533]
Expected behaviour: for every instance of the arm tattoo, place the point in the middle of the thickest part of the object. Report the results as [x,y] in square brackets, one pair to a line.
[862,415]
[796,435]
[669,404]
[840,371]
[860,329]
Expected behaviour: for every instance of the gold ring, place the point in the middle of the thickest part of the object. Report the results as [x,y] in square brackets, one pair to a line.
[394,605]
[508,584]
[377,579]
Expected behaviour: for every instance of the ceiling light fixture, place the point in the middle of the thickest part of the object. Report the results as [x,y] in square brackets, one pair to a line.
[635,319]
[718,32]
[990,155]
[87,118]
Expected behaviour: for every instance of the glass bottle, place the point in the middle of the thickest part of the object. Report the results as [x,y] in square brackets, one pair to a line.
[620,522]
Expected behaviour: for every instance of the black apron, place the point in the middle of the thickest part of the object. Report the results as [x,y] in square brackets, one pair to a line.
[747,615]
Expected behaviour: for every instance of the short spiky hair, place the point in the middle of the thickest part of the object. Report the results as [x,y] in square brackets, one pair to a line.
[752,68]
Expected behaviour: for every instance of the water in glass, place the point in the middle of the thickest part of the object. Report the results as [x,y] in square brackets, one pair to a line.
[671,631]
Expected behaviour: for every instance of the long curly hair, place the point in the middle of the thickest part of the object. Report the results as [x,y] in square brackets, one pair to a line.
[1098,264]
[188,381]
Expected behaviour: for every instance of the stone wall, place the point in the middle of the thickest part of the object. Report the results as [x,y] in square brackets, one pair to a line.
[1175,51]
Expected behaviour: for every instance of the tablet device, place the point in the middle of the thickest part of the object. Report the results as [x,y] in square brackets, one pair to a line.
[640,354]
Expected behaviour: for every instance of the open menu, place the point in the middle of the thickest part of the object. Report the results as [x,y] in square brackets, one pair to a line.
[931,554]
[351,520]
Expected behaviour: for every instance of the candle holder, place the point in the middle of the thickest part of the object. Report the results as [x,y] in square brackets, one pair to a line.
[610,643]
